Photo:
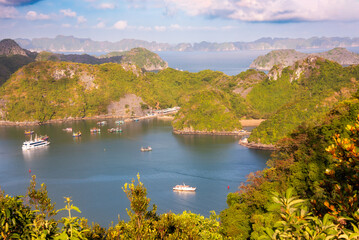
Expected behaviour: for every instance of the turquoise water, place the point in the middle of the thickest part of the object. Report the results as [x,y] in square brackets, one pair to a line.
[93,168]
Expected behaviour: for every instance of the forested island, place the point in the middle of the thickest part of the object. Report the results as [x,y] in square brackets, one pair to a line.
[309,189]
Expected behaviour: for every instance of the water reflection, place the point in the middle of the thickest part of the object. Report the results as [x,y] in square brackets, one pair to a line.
[184,195]
[33,154]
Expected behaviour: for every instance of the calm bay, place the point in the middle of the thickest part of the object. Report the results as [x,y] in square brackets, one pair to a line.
[93,168]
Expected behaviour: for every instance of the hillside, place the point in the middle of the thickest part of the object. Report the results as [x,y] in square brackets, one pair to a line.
[299,94]
[306,186]
[208,111]
[43,91]
[288,57]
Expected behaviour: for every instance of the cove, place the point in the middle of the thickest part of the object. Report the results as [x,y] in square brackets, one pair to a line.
[93,168]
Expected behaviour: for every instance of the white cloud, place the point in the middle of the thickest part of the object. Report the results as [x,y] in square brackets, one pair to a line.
[106,6]
[263,10]
[120,25]
[81,19]
[32,15]
[8,12]
[68,12]
[66,25]
[160,28]
[143,28]
[100,25]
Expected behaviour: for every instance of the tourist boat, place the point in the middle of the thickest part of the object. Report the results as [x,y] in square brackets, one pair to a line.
[146,149]
[119,122]
[36,143]
[29,132]
[67,129]
[114,130]
[101,123]
[76,134]
[184,187]
[95,130]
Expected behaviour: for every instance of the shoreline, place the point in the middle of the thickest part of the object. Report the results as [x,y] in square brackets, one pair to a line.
[214,133]
[260,146]
[251,122]
[74,119]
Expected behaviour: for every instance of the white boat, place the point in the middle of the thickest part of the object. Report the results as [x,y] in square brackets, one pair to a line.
[36,143]
[147,149]
[184,187]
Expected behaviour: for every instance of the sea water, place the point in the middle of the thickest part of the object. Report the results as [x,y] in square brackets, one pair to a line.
[92,169]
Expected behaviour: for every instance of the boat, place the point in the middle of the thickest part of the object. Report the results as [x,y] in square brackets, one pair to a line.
[114,130]
[95,130]
[45,137]
[146,149]
[67,129]
[36,143]
[119,122]
[184,187]
[101,123]
[29,132]
[76,134]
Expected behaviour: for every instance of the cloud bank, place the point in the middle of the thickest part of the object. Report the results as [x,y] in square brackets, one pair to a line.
[264,10]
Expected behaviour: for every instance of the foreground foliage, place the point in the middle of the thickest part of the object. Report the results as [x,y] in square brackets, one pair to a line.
[318,168]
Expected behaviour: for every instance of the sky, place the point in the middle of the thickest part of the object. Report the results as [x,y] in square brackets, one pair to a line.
[176,21]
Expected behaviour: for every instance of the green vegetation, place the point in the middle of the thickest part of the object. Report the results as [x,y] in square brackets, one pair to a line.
[141,57]
[207,111]
[10,64]
[288,102]
[54,90]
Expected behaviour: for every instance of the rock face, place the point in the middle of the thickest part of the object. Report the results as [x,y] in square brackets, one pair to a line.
[12,57]
[126,107]
[9,47]
[288,57]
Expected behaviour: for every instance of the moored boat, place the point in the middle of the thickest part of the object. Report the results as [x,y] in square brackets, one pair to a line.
[146,149]
[102,123]
[119,122]
[95,130]
[184,187]
[29,132]
[114,130]
[76,134]
[36,143]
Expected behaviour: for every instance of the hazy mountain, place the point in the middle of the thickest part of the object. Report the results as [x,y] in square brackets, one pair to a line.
[73,44]
[286,57]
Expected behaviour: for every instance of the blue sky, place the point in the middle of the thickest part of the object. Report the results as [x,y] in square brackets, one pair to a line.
[176,21]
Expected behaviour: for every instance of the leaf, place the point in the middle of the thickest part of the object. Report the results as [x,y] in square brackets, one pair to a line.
[76,209]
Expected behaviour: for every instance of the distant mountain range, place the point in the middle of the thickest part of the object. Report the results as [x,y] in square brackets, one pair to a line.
[72,44]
